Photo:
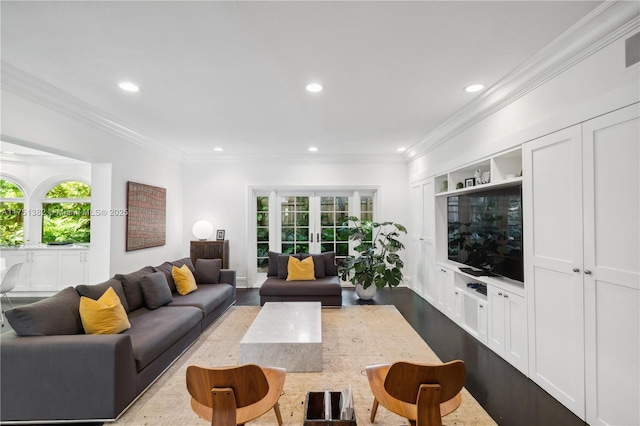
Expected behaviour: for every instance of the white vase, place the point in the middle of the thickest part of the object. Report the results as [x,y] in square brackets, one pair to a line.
[366,293]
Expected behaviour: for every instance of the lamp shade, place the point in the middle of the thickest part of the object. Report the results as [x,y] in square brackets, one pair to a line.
[202,229]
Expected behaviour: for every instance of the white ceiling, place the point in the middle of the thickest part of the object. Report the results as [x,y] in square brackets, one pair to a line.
[232,74]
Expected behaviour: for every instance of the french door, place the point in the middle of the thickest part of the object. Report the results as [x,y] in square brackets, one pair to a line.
[307,222]
[312,224]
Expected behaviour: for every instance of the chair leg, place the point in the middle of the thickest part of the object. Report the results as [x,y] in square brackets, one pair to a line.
[276,408]
[374,410]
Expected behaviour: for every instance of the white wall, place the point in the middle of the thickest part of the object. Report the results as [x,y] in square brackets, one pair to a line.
[219,194]
[46,128]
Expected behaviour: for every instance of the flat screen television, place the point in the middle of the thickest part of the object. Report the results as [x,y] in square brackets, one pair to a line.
[485,231]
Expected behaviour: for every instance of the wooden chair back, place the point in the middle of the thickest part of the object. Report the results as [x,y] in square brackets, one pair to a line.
[248,383]
[404,379]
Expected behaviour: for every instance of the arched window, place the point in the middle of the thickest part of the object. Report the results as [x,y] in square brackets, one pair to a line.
[66,213]
[11,213]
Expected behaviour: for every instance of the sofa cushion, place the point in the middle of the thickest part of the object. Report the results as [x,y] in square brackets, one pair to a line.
[328,286]
[153,332]
[273,264]
[330,268]
[58,314]
[301,270]
[155,290]
[94,291]
[184,279]
[103,316]
[131,286]
[283,264]
[318,264]
[207,298]
[208,271]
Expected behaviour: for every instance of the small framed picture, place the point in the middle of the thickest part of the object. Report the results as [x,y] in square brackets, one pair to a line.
[467,183]
[220,234]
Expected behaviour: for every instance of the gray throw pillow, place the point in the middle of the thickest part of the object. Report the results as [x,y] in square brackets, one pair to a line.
[208,271]
[156,290]
[131,287]
[95,291]
[55,315]
[330,268]
[273,264]
[318,264]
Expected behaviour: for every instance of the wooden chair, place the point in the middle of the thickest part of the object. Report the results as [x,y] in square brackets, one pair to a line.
[230,396]
[421,393]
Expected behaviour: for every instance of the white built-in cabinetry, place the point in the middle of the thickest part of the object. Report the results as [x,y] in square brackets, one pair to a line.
[48,270]
[581,193]
[423,238]
[573,326]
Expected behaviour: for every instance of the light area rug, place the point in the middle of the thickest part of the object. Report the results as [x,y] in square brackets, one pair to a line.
[353,337]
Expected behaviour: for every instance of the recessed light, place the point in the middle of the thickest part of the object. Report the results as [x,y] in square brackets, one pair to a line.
[313,149]
[218,149]
[474,88]
[129,86]
[401,149]
[314,87]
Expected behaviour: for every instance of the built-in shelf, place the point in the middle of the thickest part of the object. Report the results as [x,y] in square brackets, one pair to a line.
[501,169]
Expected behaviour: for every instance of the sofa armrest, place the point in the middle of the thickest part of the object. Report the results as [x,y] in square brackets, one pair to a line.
[228,276]
[66,377]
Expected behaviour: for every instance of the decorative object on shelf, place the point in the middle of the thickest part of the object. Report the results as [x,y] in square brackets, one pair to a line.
[377,263]
[486,177]
[445,186]
[459,185]
[202,230]
[478,176]
[469,182]
[146,216]
[220,234]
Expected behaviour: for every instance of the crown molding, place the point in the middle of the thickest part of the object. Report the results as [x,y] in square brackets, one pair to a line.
[606,23]
[288,159]
[24,85]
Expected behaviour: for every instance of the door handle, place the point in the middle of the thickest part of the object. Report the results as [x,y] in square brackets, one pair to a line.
[587,272]
[576,269]
[312,237]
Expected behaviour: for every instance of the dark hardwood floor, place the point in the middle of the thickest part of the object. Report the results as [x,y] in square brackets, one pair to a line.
[507,395]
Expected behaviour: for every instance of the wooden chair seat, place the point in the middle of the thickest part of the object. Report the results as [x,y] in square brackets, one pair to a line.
[421,393]
[229,396]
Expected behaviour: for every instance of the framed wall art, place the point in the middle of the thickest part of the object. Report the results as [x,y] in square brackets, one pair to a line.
[146,218]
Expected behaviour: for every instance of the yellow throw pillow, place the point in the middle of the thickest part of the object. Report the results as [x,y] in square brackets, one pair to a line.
[184,279]
[105,315]
[300,270]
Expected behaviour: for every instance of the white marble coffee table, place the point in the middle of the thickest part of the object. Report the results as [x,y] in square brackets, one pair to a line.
[287,335]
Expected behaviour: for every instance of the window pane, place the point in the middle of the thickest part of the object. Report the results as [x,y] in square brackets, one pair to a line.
[288,218]
[326,204]
[342,249]
[366,216]
[263,218]
[326,219]
[287,248]
[288,234]
[327,234]
[70,189]
[9,190]
[262,265]
[302,219]
[11,223]
[70,222]
[302,204]
[262,234]
[262,204]
[302,234]
[342,204]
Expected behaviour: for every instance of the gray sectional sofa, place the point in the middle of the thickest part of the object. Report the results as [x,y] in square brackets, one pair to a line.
[52,371]
[325,289]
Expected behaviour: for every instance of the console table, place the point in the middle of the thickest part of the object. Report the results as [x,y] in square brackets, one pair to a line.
[210,250]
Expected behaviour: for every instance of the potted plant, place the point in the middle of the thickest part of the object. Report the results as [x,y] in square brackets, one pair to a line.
[377,264]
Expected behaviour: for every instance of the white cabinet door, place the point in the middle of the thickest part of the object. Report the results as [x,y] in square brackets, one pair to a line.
[16,256]
[44,270]
[73,268]
[496,319]
[458,314]
[445,279]
[612,267]
[553,236]
[515,333]
[423,250]
[483,322]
